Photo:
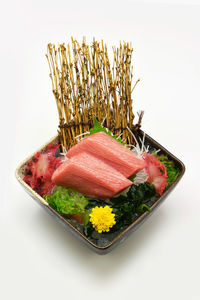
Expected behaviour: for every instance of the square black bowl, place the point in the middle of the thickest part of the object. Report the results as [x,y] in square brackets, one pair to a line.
[106,245]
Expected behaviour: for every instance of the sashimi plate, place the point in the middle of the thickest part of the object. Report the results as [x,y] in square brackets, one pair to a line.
[107,241]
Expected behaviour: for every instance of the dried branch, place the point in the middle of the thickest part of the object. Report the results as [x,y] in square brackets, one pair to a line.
[86,86]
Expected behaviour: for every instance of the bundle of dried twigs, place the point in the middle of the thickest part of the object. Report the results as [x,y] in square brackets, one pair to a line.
[86,86]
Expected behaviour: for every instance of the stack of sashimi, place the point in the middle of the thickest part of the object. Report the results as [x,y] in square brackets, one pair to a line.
[98,166]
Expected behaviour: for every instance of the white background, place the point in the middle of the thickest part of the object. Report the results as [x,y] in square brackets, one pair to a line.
[38,258]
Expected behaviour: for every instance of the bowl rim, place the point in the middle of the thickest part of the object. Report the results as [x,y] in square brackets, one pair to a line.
[132,225]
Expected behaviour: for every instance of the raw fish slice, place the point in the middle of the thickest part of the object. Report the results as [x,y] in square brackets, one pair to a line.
[124,170]
[40,168]
[157,172]
[115,154]
[83,186]
[94,177]
[93,167]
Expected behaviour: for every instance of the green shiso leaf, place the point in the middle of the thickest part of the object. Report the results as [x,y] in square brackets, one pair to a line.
[68,202]
[172,171]
[98,128]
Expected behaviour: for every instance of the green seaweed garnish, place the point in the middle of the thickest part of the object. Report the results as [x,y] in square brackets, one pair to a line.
[92,202]
[142,208]
[126,208]
[136,201]
[172,170]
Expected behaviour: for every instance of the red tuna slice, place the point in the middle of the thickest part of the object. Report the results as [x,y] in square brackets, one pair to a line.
[112,152]
[82,185]
[90,176]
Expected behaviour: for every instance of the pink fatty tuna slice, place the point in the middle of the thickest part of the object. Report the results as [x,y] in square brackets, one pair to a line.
[90,176]
[115,154]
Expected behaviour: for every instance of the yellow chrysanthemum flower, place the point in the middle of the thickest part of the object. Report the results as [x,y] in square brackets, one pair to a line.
[102,218]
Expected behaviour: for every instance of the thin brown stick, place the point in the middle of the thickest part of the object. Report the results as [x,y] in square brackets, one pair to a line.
[86,86]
